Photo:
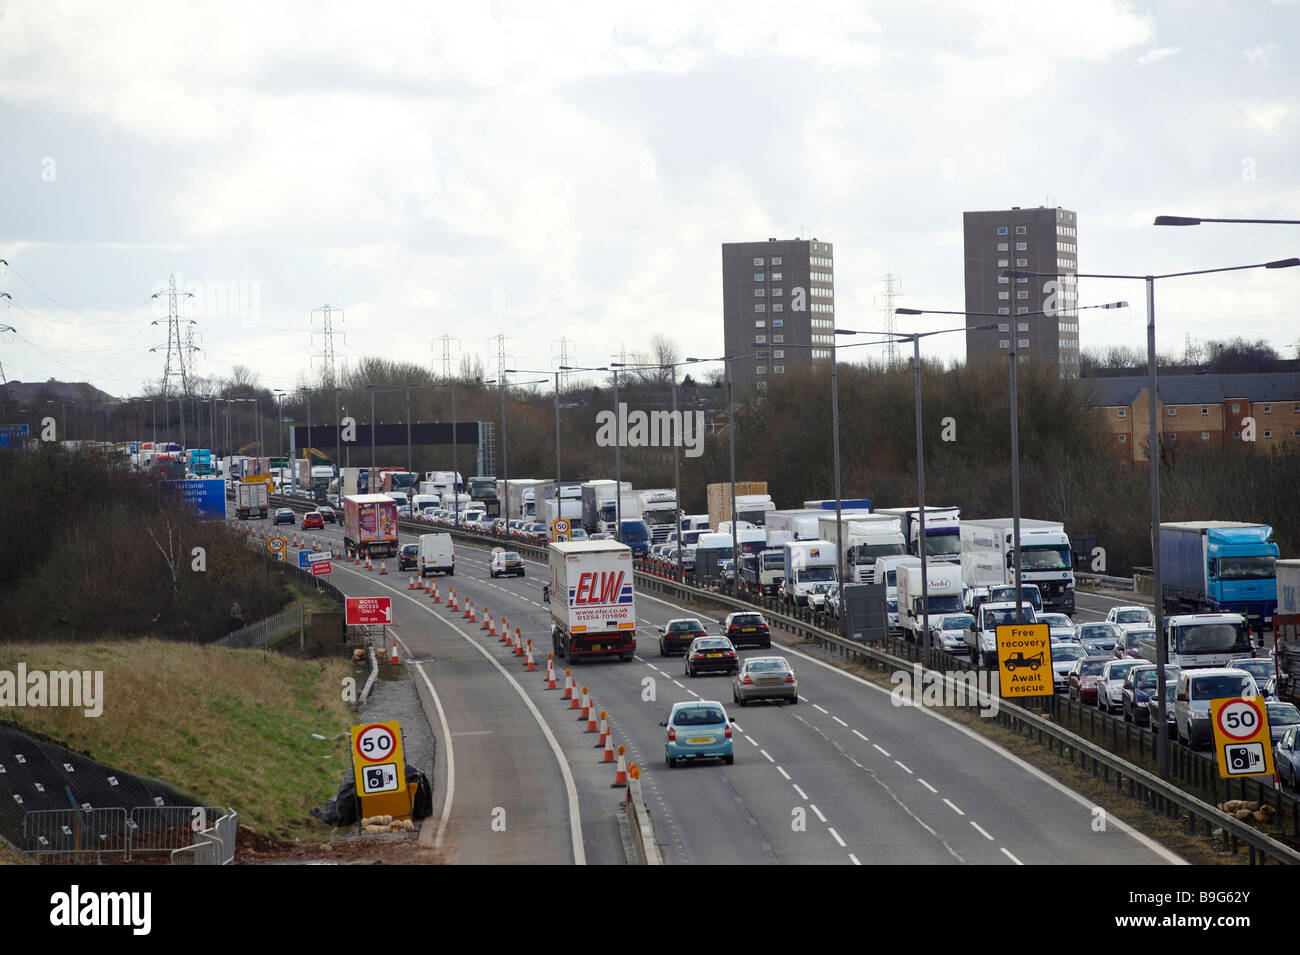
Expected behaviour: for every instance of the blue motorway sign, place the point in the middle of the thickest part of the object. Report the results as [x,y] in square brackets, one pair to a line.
[206,495]
[13,436]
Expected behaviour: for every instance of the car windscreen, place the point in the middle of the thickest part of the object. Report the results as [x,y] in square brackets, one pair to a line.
[1218,687]
[1118,671]
[747,620]
[1132,616]
[698,716]
[1060,653]
[1092,667]
[957,621]
[756,665]
[1282,714]
[714,644]
[689,626]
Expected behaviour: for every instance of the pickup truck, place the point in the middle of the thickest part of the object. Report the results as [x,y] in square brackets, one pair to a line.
[982,634]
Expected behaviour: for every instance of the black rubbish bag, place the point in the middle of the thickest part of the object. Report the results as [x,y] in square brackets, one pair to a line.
[422,805]
[341,808]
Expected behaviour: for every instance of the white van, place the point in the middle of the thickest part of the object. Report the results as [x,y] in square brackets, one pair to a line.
[437,554]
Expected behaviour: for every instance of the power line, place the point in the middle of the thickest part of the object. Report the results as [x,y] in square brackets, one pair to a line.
[328,356]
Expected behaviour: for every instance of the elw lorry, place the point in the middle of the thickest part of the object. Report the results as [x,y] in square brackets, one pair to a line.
[593,604]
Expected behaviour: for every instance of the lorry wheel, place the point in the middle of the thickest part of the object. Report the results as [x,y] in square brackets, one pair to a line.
[625,657]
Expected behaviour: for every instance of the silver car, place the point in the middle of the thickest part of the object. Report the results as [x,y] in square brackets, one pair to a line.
[1110,685]
[1064,656]
[764,678]
[949,631]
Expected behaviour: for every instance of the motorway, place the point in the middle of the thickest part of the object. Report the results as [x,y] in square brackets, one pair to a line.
[844,777]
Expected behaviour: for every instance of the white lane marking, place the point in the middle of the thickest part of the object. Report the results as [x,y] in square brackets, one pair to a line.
[840,721]
[1010,856]
[903,768]
[769,758]
[802,795]
[882,749]
[814,808]
[861,737]
[446,735]
[980,830]
[675,683]
[953,806]
[755,742]
[927,786]
[1143,840]
[816,707]
[854,859]
[571,788]
[832,831]
[783,773]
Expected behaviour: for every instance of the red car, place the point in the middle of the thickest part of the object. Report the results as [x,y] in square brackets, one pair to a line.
[313,519]
[1083,679]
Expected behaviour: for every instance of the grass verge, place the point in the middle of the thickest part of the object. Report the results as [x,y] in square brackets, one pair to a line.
[231,727]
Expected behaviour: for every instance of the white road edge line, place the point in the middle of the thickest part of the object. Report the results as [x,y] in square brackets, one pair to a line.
[575,817]
[446,736]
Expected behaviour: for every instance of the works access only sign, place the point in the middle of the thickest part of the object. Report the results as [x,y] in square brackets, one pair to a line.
[364,611]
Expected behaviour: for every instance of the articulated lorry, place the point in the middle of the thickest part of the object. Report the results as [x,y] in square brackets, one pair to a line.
[867,537]
[782,527]
[1286,621]
[942,531]
[251,499]
[370,525]
[592,600]
[658,508]
[598,504]
[1202,640]
[1219,567]
[483,490]
[988,558]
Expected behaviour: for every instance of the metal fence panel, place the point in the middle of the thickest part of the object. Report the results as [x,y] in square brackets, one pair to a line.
[161,829]
[70,836]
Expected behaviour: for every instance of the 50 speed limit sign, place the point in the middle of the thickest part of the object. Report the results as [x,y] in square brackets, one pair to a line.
[1242,743]
[1239,720]
[376,743]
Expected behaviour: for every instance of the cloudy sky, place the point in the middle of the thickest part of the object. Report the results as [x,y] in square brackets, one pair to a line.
[571,170]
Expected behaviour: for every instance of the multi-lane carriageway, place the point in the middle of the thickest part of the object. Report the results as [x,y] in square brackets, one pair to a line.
[844,777]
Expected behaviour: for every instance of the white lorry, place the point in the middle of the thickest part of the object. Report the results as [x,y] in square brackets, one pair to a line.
[987,558]
[867,537]
[806,564]
[754,508]
[792,525]
[942,531]
[598,504]
[658,508]
[943,591]
[592,600]
[251,499]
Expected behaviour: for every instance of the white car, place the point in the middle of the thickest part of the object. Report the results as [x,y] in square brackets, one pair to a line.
[949,631]
[1110,684]
[506,562]
[1059,627]
[1131,616]
[1064,656]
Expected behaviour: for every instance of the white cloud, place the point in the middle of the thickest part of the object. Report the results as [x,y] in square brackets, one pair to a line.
[1159,53]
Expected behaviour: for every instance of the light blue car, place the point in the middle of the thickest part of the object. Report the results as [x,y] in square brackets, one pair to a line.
[699,729]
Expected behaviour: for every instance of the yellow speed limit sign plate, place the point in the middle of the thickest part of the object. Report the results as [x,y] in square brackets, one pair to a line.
[1242,743]
[276,546]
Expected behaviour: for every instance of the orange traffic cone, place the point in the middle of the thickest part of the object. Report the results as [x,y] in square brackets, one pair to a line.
[394,657]
[620,771]
[577,703]
[505,631]
[609,749]
[436,598]
[519,643]
[468,605]
[491,627]
[369,565]
[585,710]
[592,727]
[451,599]
[383,567]
[410,582]
[550,672]
[568,685]
[603,740]
[529,663]
[487,618]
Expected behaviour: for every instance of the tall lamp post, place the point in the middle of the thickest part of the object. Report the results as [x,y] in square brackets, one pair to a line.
[556,374]
[1153,458]
[505,444]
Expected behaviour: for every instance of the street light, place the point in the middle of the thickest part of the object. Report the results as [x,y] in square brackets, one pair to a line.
[1195,220]
[534,371]
[731,434]
[505,444]
[1153,458]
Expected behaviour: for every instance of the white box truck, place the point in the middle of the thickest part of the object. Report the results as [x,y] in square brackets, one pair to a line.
[943,590]
[867,537]
[598,503]
[807,563]
[987,558]
[942,531]
[792,525]
[592,600]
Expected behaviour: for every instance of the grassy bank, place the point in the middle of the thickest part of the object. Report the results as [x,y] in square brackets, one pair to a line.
[232,727]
